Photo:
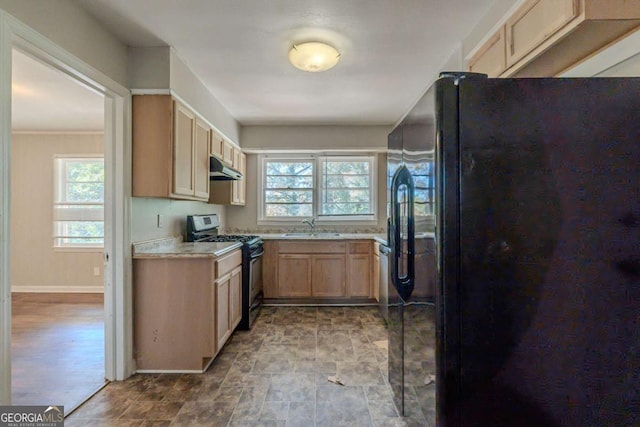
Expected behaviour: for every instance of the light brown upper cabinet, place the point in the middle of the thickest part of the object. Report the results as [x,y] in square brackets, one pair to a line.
[223,149]
[217,143]
[231,192]
[491,59]
[201,159]
[227,152]
[543,38]
[534,23]
[183,152]
[170,150]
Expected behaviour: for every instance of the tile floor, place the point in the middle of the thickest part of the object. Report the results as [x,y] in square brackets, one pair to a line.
[274,375]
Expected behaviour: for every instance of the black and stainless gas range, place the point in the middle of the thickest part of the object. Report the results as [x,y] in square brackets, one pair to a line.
[204,228]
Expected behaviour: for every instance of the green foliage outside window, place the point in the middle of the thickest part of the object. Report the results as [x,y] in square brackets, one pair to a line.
[344,187]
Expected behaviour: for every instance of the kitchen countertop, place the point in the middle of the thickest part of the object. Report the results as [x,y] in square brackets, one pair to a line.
[176,248]
[324,236]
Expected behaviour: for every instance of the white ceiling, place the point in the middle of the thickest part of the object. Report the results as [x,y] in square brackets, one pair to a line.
[391,49]
[46,99]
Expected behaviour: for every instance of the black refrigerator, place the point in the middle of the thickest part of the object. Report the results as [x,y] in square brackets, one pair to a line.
[514,226]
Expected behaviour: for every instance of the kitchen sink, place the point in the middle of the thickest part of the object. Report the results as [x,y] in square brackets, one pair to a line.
[311,235]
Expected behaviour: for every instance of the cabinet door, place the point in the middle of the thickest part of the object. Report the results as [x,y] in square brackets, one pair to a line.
[227,153]
[359,275]
[294,275]
[201,159]
[238,188]
[236,158]
[491,58]
[235,297]
[376,273]
[534,22]
[328,275]
[217,144]
[183,128]
[242,192]
[223,326]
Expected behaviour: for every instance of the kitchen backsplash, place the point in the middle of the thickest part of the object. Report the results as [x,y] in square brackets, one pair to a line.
[320,229]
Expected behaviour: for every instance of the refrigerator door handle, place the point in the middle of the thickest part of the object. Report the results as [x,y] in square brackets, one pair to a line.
[402,181]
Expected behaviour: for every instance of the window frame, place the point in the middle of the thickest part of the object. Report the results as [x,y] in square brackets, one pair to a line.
[318,160]
[59,181]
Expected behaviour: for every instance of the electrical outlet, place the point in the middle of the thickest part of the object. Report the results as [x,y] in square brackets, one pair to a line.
[160,221]
[96,271]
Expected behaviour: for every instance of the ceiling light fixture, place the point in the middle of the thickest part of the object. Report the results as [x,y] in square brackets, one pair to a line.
[313,56]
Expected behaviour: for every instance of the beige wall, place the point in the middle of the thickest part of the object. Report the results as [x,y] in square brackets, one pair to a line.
[244,219]
[35,266]
[627,68]
[144,218]
[72,28]
[314,137]
[161,68]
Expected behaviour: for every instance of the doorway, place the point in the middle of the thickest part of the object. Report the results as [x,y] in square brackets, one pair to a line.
[57,228]
[118,360]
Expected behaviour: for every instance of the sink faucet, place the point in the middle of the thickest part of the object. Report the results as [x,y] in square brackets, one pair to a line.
[311,222]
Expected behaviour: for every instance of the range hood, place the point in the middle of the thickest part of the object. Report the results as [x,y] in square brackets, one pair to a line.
[218,171]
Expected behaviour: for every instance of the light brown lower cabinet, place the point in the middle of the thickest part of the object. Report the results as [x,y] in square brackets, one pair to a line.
[318,269]
[359,269]
[294,275]
[376,271]
[328,276]
[228,304]
[184,310]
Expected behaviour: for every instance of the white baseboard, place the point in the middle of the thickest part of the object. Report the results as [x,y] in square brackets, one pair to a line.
[59,289]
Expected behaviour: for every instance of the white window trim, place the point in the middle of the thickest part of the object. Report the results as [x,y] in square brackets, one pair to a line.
[317,177]
[79,247]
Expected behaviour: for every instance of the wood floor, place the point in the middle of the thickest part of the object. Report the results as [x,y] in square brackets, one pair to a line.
[57,346]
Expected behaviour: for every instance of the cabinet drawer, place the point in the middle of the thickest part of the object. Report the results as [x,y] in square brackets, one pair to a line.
[359,247]
[228,262]
[309,247]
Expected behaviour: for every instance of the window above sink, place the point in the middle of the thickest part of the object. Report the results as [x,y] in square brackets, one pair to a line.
[328,188]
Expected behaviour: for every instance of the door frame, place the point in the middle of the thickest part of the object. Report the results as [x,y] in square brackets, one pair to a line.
[117,251]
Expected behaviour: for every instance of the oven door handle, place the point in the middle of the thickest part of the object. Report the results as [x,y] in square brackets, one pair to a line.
[259,254]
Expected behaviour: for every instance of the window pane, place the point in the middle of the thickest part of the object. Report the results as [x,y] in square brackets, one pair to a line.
[85,192]
[81,230]
[347,181]
[289,210]
[289,188]
[290,168]
[346,187]
[346,167]
[346,209]
[85,170]
[289,196]
[345,196]
[289,182]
